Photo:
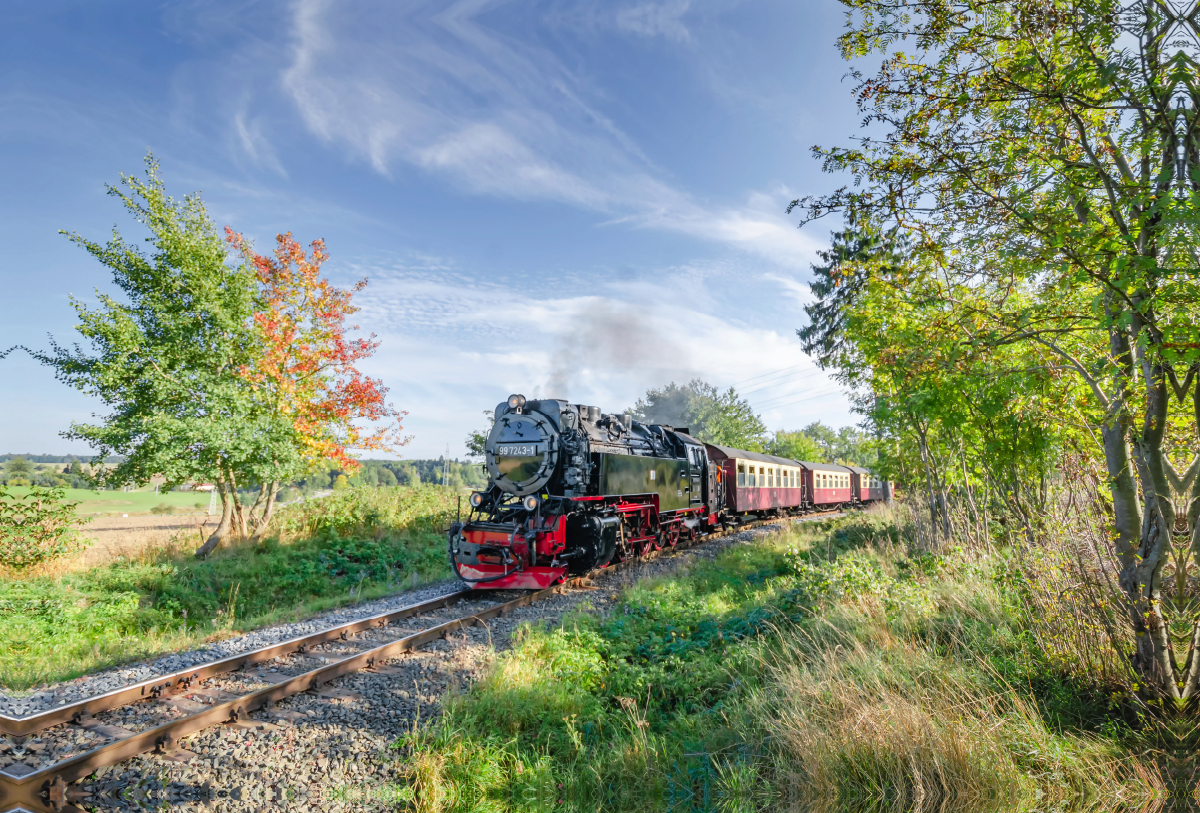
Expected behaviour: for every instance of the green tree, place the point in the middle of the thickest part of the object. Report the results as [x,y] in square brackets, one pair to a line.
[712,415]
[1044,159]
[477,439]
[166,360]
[825,438]
[19,467]
[795,446]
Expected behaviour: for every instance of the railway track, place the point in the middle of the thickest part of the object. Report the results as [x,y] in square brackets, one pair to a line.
[42,754]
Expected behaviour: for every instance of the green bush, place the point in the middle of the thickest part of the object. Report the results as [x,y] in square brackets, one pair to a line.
[37,528]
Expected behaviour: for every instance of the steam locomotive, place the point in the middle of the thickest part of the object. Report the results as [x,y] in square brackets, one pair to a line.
[571,489]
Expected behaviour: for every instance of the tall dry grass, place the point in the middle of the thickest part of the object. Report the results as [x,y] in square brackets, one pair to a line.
[888,705]
[882,723]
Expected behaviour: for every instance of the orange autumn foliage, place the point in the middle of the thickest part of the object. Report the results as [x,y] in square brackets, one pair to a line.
[306,362]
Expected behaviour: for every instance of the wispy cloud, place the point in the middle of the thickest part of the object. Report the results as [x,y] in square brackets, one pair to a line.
[431,85]
[656,20]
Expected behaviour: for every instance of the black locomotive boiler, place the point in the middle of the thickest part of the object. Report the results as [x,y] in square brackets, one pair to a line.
[571,489]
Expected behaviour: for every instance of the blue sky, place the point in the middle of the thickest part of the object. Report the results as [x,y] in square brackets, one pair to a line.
[567,199]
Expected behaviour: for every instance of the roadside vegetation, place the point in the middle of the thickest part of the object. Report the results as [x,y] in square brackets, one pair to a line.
[353,545]
[837,665]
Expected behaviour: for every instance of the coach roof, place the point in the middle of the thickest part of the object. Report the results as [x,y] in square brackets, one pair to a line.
[742,454]
[824,466]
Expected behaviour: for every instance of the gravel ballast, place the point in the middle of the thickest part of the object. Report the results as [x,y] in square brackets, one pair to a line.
[110,679]
[332,754]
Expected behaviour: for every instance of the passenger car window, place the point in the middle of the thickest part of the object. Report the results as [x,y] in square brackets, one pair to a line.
[741,474]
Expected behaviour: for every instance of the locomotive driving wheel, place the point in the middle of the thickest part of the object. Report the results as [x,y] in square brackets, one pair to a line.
[649,534]
[660,539]
[671,535]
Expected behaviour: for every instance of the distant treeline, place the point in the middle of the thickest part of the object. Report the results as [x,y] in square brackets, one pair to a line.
[19,470]
[383,473]
[55,458]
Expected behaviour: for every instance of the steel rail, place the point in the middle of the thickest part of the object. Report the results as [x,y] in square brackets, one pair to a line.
[174,682]
[46,790]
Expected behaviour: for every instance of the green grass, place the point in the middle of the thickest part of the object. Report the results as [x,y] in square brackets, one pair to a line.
[824,669]
[108,503]
[354,545]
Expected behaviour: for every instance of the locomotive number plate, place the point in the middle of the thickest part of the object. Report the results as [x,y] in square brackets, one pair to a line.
[518,449]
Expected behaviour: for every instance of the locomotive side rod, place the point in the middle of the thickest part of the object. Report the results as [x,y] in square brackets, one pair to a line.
[48,790]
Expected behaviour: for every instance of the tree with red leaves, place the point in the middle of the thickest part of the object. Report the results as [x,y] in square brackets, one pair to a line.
[304,377]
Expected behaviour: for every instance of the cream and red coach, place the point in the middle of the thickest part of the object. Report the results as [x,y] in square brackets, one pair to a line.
[759,482]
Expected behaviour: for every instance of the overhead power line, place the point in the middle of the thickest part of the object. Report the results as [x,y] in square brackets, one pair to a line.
[763,375]
[835,391]
[787,379]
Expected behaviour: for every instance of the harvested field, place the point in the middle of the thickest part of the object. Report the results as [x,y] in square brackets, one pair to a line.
[129,537]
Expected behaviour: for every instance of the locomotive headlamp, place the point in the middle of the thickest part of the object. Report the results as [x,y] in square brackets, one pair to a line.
[516,401]
[531,503]
[476,500]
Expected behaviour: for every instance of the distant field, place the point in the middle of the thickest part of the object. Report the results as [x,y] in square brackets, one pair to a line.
[108,503]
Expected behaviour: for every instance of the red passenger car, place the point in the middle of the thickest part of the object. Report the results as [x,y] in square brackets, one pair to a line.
[867,487]
[831,484]
[756,482]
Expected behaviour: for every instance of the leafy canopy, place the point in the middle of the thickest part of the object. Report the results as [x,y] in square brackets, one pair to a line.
[712,415]
[164,358]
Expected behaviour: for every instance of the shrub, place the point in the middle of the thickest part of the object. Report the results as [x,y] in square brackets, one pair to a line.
[162,508]
[36,528]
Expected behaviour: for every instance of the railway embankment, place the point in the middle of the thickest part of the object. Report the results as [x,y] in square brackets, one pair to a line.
[818,663]
[826,666]
[75,620]
[335,749]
